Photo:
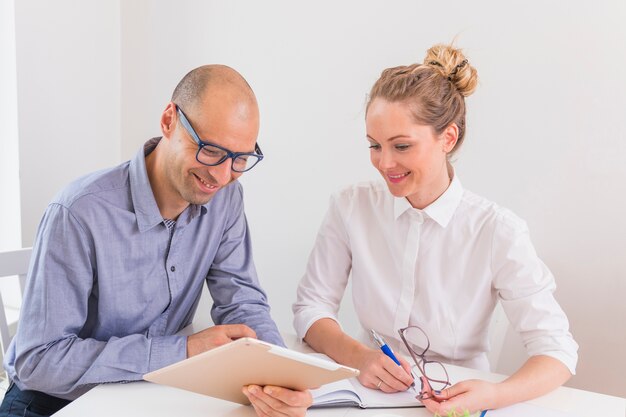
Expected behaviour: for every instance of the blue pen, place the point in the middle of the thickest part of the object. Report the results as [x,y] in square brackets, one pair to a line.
[387,350]
[383,346]
[483,413]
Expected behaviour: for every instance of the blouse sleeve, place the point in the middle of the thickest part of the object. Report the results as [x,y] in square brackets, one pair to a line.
[525,287]
[322,287]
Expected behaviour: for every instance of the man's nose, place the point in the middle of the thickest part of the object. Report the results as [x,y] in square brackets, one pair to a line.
[222,172]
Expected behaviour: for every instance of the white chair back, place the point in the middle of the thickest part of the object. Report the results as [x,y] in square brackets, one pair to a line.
[12,263]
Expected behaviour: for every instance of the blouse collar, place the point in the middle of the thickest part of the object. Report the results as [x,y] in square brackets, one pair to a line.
[441,210]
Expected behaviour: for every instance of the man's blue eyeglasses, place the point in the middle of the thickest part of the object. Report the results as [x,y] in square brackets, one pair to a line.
[211,154]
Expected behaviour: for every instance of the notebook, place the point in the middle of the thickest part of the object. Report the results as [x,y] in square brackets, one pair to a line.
[350,393]
[223,371]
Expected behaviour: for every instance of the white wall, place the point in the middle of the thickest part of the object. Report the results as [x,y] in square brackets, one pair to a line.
[545,133]
[10,232]
[10,237]
[68,78]
[545,138]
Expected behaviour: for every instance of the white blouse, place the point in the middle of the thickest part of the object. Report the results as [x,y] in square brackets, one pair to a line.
[442,268]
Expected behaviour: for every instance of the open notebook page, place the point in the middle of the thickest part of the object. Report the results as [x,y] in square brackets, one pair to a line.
[349,392]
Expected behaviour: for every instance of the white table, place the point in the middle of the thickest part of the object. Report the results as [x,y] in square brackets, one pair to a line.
[147,399]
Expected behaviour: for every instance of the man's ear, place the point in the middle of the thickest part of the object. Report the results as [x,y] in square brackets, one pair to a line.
[169,118]
[450,137]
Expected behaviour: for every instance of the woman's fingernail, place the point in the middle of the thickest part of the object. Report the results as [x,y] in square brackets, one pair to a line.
[252,390]
[437,392]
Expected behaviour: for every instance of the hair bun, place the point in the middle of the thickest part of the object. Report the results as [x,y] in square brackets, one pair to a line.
[452,64]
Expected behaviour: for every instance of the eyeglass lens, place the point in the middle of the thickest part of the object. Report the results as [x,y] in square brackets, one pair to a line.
[417,339]
[437,376]
[211,155]
[434,370]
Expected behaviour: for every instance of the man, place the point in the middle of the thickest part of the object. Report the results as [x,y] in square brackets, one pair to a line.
[121,256]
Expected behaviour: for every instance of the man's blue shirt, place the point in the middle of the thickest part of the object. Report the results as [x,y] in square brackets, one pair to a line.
[109,286]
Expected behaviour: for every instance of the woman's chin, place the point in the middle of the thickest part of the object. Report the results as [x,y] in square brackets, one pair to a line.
[396,192]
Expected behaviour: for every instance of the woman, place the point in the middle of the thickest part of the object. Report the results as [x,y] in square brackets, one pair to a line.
[423,251]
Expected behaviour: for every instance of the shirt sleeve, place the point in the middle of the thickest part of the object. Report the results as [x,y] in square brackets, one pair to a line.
[232,280]
[50,353]
[526,287]
[324,282]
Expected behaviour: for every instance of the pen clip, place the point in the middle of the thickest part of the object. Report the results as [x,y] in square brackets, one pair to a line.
[378,339]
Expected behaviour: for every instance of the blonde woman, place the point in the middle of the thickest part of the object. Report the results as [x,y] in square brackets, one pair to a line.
[429,260]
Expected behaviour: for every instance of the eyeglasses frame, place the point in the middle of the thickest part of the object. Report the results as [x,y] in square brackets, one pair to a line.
[229,154]
[421,363]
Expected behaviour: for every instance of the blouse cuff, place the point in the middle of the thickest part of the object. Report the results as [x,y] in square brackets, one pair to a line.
[566,359]
[303,322]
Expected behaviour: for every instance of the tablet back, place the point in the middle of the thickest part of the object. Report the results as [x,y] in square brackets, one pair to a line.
[223,371]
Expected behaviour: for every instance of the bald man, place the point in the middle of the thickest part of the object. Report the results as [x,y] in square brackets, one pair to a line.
[121,256]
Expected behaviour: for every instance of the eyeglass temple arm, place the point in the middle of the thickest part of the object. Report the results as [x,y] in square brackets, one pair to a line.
[415,359]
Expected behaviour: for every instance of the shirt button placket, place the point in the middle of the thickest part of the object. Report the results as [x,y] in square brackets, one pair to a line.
[407,292]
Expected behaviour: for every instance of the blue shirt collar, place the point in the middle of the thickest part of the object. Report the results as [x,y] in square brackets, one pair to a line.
[146,209]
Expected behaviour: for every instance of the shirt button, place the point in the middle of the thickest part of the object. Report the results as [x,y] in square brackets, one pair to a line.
[172,268]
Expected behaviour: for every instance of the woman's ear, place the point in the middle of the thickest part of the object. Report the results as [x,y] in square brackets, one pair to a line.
[450,137]
[169,118]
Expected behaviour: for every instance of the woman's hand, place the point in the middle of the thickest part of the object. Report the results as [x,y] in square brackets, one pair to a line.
[379,371]
[472,396]
[270,401]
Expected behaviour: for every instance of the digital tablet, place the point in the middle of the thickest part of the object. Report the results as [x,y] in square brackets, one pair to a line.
[223,371]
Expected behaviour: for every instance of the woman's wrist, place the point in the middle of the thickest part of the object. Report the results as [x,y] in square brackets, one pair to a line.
[359,355]
[502,395]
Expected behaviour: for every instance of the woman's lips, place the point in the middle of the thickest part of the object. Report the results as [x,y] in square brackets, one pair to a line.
[396,178]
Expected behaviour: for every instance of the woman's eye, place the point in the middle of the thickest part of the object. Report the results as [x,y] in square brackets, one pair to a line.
[402,147]
[374,146]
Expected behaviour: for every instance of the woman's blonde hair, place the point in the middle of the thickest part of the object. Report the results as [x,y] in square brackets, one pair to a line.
[435,90]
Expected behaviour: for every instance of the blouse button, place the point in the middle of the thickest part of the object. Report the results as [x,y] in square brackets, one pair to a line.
[172,268]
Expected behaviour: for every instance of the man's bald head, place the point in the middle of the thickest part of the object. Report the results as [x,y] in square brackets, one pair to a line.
[201,85]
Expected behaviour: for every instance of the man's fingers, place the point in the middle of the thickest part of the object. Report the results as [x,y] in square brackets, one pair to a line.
[253,401]
[216,336]
[289,397]
[237,331]
[263,403]
[277,401]
[269,405]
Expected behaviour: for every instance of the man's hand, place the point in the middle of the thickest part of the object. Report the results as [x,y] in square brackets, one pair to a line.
[215,336]
[270,401]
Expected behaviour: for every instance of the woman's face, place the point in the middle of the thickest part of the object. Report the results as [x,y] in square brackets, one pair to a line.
[411,157]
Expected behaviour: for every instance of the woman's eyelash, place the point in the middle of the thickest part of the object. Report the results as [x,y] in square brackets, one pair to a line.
[400,147]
